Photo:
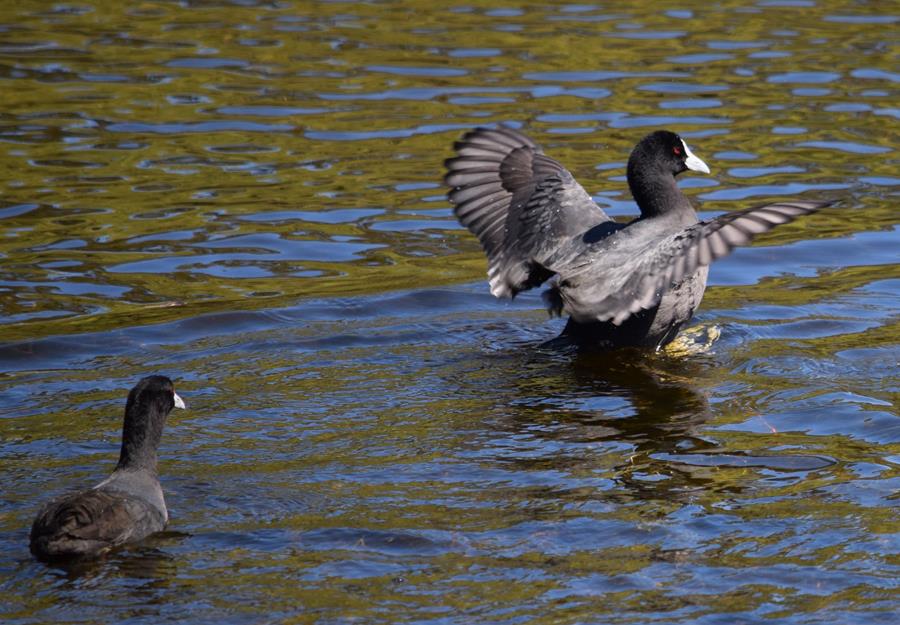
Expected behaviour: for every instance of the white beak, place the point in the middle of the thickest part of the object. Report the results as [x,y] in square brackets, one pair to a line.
[179,403]
[692,162]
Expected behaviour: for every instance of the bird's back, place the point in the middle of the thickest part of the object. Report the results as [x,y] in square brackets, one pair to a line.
[609,273]
[90,522]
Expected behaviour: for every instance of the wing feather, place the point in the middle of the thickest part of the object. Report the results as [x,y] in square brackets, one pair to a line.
[521,204]
[90,522]
[640,281]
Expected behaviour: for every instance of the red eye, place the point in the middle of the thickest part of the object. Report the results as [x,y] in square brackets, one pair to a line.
[677,150]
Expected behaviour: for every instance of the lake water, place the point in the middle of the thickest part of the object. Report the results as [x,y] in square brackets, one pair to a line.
[245,196]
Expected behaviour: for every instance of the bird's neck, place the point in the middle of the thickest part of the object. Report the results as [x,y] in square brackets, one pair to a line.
[140,439]
[657,193]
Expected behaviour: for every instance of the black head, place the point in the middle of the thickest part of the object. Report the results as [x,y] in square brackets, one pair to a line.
[652,167]
[148,405]
[667,151]
[154,389]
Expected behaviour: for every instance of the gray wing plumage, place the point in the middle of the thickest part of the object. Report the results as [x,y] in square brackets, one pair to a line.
[521,204]
[592,288]
[90,522]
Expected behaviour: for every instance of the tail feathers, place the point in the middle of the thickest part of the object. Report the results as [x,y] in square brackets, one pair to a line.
[65,546]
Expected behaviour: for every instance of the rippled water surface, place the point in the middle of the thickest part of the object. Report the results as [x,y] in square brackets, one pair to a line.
[246,197]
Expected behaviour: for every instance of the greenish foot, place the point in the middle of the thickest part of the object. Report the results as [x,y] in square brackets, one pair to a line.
[697,339]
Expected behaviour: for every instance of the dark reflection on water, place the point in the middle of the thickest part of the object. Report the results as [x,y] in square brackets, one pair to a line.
[245,196]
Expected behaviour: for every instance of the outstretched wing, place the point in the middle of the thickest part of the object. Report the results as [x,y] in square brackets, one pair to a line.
[521,204]
[624,288]
[90,522]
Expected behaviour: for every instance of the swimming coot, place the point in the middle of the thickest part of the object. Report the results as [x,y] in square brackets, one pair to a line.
[632,284]
[126,506]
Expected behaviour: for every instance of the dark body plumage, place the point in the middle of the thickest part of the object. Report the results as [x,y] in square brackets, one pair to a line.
[129,504]
[633,284]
